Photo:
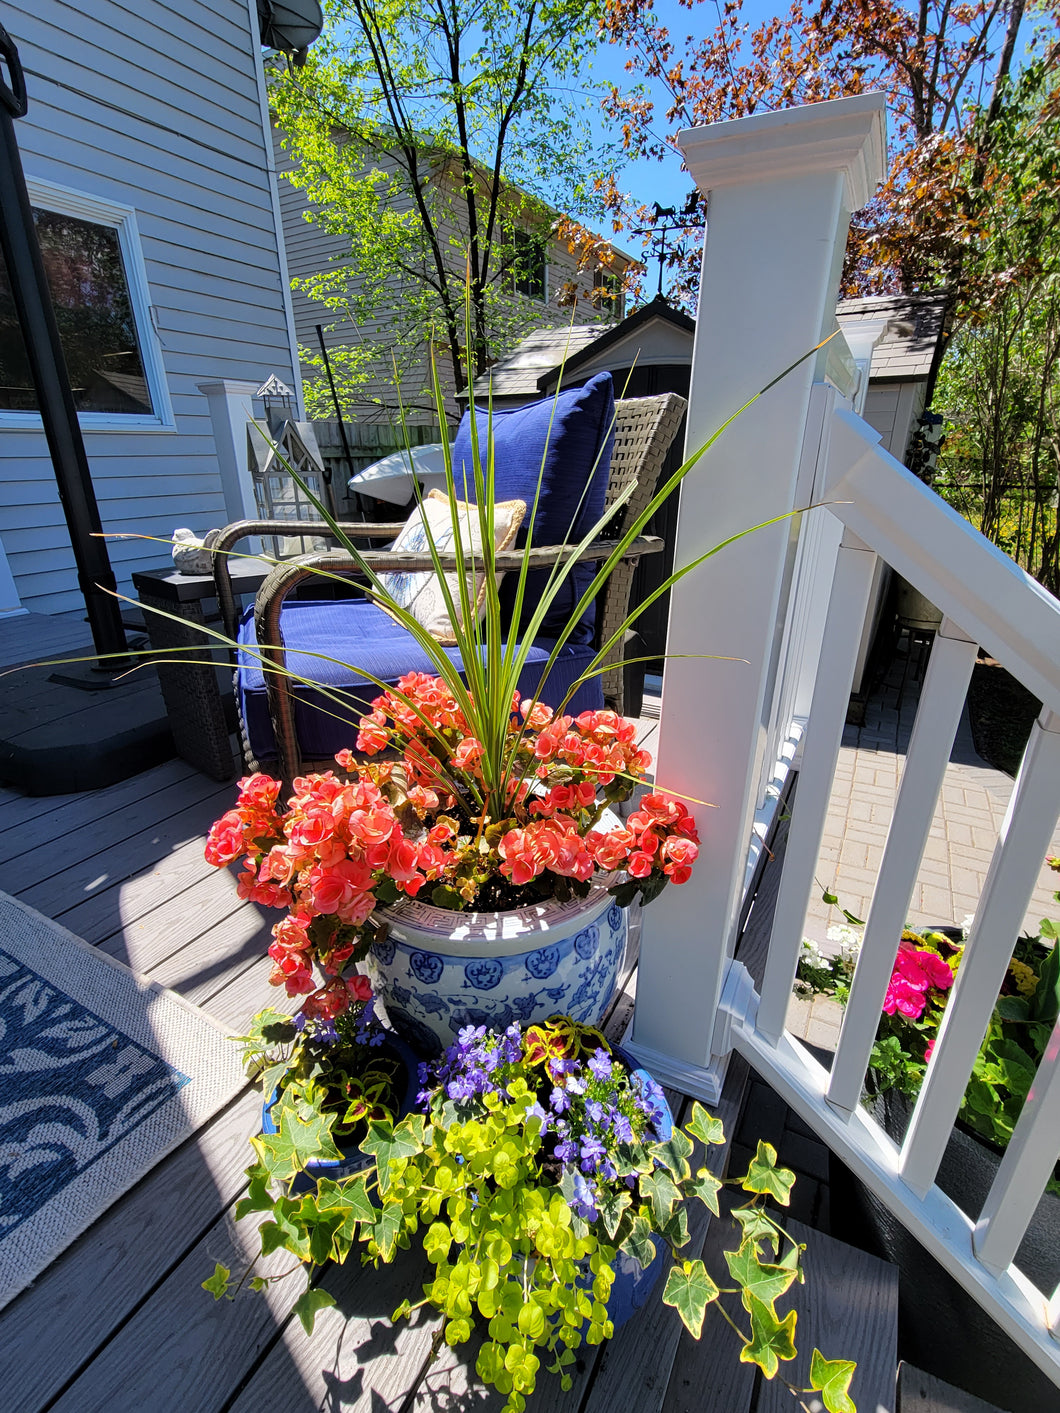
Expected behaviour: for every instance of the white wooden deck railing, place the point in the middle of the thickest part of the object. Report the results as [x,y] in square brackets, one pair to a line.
[719,725]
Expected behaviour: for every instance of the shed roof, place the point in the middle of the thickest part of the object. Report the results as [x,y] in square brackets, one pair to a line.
[908,344]
[903,353]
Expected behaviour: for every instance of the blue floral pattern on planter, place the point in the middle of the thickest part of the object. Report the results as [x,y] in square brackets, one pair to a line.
[385,951]
[543,962]
[484,974]
[580,970]
[428,966]
[586,942]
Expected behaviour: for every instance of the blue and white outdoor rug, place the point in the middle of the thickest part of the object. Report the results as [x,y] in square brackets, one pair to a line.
[101,1074]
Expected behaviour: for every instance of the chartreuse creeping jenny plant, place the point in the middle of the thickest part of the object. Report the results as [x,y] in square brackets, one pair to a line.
[534,1159]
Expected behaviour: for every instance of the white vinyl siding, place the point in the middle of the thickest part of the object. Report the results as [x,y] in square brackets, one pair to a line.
[155,107]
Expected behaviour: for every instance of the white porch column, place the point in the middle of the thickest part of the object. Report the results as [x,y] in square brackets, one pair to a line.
[781,187]
[231,405]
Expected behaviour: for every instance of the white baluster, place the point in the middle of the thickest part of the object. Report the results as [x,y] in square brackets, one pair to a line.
[1025,838]
[824,733]
[1025,1169]
[941,702]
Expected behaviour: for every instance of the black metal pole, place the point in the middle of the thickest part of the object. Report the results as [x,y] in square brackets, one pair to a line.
[36,317]
[335,398]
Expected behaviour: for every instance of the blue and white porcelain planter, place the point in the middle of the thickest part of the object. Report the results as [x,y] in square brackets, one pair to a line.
[438,971]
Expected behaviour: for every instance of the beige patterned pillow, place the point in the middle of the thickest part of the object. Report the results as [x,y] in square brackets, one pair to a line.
[419,593]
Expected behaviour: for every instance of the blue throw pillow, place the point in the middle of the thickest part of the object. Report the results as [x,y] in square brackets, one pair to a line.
[573,433]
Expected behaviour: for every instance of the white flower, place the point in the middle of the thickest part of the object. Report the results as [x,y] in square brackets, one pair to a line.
[810,955]
[849,939]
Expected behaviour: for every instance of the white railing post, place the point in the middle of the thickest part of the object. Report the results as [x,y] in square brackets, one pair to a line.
[781,188]
[231,404]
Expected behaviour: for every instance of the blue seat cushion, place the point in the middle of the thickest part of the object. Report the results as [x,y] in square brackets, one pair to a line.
[566,440]
[357,634]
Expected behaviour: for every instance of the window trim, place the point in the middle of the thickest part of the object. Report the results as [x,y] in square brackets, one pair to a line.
[65,201]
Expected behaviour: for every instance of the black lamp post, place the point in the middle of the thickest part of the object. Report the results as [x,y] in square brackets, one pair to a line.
[36,317]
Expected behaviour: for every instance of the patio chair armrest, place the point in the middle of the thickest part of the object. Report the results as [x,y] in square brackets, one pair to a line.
[290,574]
[243,529]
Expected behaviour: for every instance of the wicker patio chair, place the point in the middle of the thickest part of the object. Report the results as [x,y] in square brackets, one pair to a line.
[644,431]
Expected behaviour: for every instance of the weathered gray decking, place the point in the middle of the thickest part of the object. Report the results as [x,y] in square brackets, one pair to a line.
[119,1322]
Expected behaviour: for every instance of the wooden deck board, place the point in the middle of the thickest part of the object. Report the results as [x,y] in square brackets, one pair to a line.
[27,818]
[847,1293]
[99,1281]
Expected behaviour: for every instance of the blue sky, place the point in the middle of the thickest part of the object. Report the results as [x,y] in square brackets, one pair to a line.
[665,181]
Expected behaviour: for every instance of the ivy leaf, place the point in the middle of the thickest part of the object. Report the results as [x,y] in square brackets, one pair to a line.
[350,1198]
[638,1242]
[297,1142]
[676,1229]
[830,899]
[757,1227]
[831,1378]
[386,1230]
[763,1175]
[765,1283]
[706,1187]
[662,1192]
[612,1206]
[771,1339]
[674,1154]
[389,1144]
[705,1126]
[217,1284]
[308,1304]
[689,1290]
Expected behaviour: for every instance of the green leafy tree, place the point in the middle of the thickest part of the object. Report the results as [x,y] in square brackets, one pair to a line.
[1000,383]
[438,138]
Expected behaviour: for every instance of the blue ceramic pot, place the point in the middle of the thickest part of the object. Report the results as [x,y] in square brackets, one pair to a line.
[633,1283]
[438,971]
[353,1163]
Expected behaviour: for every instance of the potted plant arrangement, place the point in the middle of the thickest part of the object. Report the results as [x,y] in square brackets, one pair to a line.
[941,1327]
[538,1164]
[526,913]
[925,969]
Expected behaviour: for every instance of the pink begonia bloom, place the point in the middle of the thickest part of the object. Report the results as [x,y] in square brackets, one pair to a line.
[928,1049]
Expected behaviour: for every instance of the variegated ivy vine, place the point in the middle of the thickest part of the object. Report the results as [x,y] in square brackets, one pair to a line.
[492,1180]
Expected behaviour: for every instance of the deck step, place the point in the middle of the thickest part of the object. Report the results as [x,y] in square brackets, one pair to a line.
[848,1308]
[919,1392]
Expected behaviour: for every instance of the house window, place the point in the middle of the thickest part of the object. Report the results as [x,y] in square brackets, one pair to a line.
[528,265]
[95,275]
[608,293]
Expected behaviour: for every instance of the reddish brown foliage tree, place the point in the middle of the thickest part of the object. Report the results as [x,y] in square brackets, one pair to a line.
[942,64]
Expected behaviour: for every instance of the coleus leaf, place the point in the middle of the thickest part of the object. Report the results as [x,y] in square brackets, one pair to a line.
[831,1378]
[771,1339]
[763,1175]
[689,1290]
